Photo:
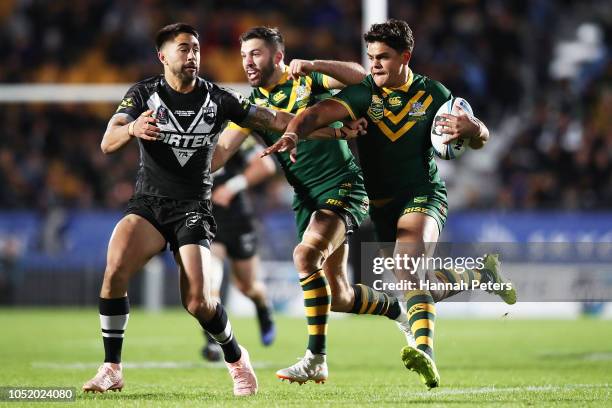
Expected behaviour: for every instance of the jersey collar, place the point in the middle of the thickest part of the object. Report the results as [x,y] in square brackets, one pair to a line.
[403,88]
[284,77]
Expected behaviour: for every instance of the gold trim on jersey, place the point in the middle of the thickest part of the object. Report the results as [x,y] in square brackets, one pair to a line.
[284,77]
[346,106]
[395,119]
[325,81]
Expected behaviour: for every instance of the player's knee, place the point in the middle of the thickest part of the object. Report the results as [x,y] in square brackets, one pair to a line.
[306,258]
[197,305]
[116,273]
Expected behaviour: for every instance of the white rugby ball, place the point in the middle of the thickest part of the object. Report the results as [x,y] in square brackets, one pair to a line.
[456,148]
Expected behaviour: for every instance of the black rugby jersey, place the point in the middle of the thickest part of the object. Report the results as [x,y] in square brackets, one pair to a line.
[178,164]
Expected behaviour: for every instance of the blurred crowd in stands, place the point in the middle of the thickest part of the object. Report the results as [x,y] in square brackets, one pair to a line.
[544,63]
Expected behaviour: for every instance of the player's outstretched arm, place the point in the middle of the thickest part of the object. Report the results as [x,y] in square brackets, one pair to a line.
[268,119]
[341,73]
[305,123]
[121,129]
[228,143]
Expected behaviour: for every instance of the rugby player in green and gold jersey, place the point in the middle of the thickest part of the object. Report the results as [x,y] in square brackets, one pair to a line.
[330,197]
[407,197]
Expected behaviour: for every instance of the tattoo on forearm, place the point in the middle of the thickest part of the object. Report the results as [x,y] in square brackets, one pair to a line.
[260,118]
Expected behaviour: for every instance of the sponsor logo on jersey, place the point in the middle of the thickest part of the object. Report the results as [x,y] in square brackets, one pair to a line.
[377,109]
[420,199]
[336,203]
[417,209]
[183,155]
[185,141]
[125,103]
[162,115]
[209,115]
[394,101]
[279,97]
[346,185]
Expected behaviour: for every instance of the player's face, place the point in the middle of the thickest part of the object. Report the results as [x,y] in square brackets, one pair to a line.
[387,66]
[257,61]
[182,56]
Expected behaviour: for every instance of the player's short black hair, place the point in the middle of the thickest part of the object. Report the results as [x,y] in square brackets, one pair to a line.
[271,36]
[395,33]
[170,32]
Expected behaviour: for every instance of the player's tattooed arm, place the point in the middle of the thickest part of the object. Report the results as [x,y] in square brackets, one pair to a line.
[122,128]
[315,117]
[268,119]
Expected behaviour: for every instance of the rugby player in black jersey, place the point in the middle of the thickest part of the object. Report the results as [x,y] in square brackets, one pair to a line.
[176,119]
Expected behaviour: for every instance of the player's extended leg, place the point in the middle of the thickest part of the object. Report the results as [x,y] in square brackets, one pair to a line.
[245,274]
[323,250]
[359,298]
[417,234]
[193,260]
[133,242]
[489,273]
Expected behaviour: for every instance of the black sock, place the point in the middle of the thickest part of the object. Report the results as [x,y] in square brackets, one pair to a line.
[209,338]
[264,317]
[220,329]
[114,315]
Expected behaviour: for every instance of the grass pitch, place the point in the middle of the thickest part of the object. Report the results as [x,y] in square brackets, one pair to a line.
[501,362]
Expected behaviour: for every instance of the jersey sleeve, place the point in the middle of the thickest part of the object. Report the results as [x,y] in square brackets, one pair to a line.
[134,101]
[439,92]
[320,82]
[355,98]
[235,106]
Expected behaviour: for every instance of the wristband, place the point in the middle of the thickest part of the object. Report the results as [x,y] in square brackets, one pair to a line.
[131,128]
[237,183]
[293,136]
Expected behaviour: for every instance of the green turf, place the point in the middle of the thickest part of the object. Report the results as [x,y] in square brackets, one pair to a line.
[482,362]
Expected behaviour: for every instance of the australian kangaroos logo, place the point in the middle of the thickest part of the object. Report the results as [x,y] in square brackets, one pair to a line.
[376,110]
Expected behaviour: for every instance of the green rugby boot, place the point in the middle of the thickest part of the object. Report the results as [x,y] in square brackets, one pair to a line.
[419,362]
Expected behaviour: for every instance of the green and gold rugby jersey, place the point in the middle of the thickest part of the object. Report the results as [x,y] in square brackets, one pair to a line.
[396,154]
[320,164]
